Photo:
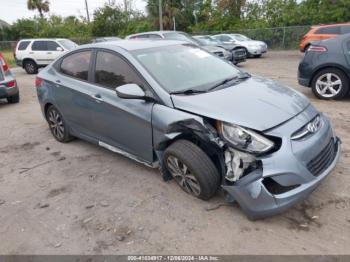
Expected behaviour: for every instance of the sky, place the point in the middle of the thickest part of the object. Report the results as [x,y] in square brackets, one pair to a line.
[11,10]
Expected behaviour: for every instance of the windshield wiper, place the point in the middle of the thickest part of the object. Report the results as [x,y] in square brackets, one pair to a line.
[223,82]
[188,92]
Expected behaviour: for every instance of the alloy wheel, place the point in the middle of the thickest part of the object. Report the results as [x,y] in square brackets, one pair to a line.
[183,176]
[328,85]
[56,124]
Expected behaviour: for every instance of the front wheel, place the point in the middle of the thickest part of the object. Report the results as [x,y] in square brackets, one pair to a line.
[192,169]
[57,125]
[330,83]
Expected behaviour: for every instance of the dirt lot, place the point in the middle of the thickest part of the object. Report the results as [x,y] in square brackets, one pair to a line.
[78,198]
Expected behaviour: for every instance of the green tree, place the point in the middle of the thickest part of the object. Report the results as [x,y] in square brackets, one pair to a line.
[43,6]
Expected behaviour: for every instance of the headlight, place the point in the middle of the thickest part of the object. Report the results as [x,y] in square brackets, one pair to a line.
[244,139]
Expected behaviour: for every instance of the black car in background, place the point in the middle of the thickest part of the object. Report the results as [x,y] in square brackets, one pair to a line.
[326,68]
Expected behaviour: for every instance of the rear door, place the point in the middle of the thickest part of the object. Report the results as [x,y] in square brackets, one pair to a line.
[73,92]
[120,124]
[39,52]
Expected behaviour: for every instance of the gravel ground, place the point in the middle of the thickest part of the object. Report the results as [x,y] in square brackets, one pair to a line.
[77,198]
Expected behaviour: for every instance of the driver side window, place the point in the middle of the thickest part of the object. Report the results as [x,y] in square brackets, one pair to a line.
[112,71]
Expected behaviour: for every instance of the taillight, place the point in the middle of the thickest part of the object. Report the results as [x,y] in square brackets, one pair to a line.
[5,67]
[38,82]
[11,84]
[315,48]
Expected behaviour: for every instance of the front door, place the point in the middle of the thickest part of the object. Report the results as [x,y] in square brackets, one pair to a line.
[120,124]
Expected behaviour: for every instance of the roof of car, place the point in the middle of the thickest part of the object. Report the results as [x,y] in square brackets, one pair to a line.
[155,32]
[43,39]
[330,25]
[136,44]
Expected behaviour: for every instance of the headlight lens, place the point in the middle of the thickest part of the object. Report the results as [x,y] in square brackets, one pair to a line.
[244,139]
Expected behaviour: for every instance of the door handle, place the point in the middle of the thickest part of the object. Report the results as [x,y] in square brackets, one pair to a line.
[58,82]
[49,53]
[97,98]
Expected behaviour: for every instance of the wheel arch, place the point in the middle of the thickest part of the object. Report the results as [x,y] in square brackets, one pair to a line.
[213,151]
[331,66]
[28,59]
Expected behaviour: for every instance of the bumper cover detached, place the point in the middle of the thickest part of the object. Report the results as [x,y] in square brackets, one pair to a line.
[257,202]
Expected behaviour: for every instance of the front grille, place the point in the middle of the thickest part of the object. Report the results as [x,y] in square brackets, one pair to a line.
[320,163]
[220,54]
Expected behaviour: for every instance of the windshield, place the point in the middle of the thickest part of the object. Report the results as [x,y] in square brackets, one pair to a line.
[206,40]
[68,44]
[240,37]
[182,37]
[184,67]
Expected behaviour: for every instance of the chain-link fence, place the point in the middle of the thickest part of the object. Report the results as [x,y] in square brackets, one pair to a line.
[276,38]
[7,45]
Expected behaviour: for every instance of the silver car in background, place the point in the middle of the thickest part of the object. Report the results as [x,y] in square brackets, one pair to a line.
[202,121]
[254,48]
[181,36]
[8,83]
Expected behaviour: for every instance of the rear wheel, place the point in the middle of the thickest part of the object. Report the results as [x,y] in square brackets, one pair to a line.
[57,125]
[192,169]
[30,67]
[330,83]
[13,99]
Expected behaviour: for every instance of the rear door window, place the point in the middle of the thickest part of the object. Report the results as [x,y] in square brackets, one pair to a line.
[77,65]
[23,45]
[345,29]
[39,46]
[331,30]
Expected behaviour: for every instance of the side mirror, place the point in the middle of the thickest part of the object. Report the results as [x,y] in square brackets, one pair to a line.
[59,49]
[130,91]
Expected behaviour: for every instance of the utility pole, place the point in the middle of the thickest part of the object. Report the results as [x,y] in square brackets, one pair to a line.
[87,11]
[160,16]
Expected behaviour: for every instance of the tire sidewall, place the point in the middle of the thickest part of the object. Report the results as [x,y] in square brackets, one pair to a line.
[66,135]
[29,70]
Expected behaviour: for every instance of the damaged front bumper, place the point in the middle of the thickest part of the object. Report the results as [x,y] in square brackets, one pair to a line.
[257,201]
[288,176]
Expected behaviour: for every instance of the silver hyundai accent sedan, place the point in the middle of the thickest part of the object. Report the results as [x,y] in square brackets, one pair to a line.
[202,121]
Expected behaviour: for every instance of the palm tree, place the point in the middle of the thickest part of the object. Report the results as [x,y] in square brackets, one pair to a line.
[41,5]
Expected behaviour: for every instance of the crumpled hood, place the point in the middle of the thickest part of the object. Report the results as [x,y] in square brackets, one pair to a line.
[256,103]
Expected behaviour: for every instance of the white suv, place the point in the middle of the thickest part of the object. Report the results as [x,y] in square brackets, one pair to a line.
[32,54]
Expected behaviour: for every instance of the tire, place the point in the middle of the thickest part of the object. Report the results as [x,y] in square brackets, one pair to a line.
[13,99]
[31,67]
[201,178]
[57,125]
[257,56]
[330,83]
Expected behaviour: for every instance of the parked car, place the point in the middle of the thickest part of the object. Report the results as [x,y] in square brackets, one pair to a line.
[104,39]
[31,54]
[8,84]
[323,32]
[203,121]
[254,48]
[325,68]
[239,53]
[181,36]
